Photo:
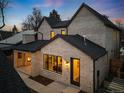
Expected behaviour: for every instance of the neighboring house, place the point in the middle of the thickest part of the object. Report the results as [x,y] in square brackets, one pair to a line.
[122,37]
[7,44]
[75,52]
[5,34]
[10,81]
[17,38]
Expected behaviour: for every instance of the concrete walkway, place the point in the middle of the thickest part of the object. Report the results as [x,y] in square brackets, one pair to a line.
[55,87]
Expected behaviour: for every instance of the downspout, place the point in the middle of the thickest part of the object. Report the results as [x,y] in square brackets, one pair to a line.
[94,85]
[67,30]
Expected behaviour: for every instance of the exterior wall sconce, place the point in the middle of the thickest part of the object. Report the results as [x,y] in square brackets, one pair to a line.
[29,59]
[67,63]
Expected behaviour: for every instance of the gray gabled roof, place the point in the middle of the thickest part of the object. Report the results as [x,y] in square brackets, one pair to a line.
[10,81]
[91,49]
[54,23]
[5,34]
[32,46]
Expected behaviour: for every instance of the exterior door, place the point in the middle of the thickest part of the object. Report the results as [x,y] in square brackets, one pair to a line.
[75,71]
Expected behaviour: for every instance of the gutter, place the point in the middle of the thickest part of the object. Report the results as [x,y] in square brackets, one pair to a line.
[94,84]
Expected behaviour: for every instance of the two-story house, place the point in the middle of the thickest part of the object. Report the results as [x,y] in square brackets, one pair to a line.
[75,52]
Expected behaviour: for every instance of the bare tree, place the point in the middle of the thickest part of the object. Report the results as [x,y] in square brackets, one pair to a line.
[32,21]
[14,29]
[3,4]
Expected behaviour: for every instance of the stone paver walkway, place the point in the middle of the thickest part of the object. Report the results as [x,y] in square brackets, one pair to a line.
[55,87]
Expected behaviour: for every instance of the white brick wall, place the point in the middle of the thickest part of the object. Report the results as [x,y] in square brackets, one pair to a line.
[103,66]
[45,29]
[67,51]
[86,23]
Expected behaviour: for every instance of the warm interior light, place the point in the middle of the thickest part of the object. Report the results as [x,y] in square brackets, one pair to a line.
[29,59]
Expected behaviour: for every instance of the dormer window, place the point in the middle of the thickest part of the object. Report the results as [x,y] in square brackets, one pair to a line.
[63,32]
[52,34]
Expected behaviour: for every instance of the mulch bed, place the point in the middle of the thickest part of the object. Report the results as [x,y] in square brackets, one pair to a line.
[43,80]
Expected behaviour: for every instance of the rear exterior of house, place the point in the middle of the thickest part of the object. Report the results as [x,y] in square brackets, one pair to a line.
[64,62]
[70,58]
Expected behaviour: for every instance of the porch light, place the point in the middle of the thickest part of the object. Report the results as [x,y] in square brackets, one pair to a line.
[67,63]
[29,59]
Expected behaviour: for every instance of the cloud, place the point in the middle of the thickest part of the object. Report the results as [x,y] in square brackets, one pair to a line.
[49,3]
[58,3]
[121,20]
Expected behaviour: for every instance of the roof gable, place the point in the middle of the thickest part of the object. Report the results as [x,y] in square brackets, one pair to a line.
[91,49]
[103,18]
[54,23]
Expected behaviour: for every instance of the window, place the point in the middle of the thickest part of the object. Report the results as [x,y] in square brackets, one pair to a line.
[63,32]
[52,63]
[52,34]
[19,55]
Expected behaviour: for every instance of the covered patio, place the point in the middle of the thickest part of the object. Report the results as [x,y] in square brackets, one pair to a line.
[23,62]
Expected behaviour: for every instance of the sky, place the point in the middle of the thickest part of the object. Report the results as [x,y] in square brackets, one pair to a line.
[17,10]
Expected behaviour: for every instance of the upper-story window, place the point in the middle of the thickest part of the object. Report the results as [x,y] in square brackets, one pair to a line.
[63,32]
[52,34]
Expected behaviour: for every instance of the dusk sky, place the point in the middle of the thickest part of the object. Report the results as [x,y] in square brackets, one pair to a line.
[18,10]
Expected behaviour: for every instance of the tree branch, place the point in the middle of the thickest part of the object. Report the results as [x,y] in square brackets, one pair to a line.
[3,19]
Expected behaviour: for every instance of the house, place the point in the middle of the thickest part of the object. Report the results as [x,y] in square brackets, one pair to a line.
[86,21]
[10,81]
[5,34]
[7,44]
[75,52]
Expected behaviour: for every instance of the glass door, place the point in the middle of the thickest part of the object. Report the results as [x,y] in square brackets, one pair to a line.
[75,71]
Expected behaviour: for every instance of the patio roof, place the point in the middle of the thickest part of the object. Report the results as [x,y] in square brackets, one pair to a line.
[91,49]
[32,46]
[10,81]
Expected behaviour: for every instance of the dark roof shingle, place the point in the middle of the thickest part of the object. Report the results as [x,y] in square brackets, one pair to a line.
[54,23]
[5,34]
[91,49]
[32,46]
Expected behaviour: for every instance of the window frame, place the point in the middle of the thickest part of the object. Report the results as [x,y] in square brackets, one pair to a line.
[19,55]
[56,60]
[64,31]
[51,34]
